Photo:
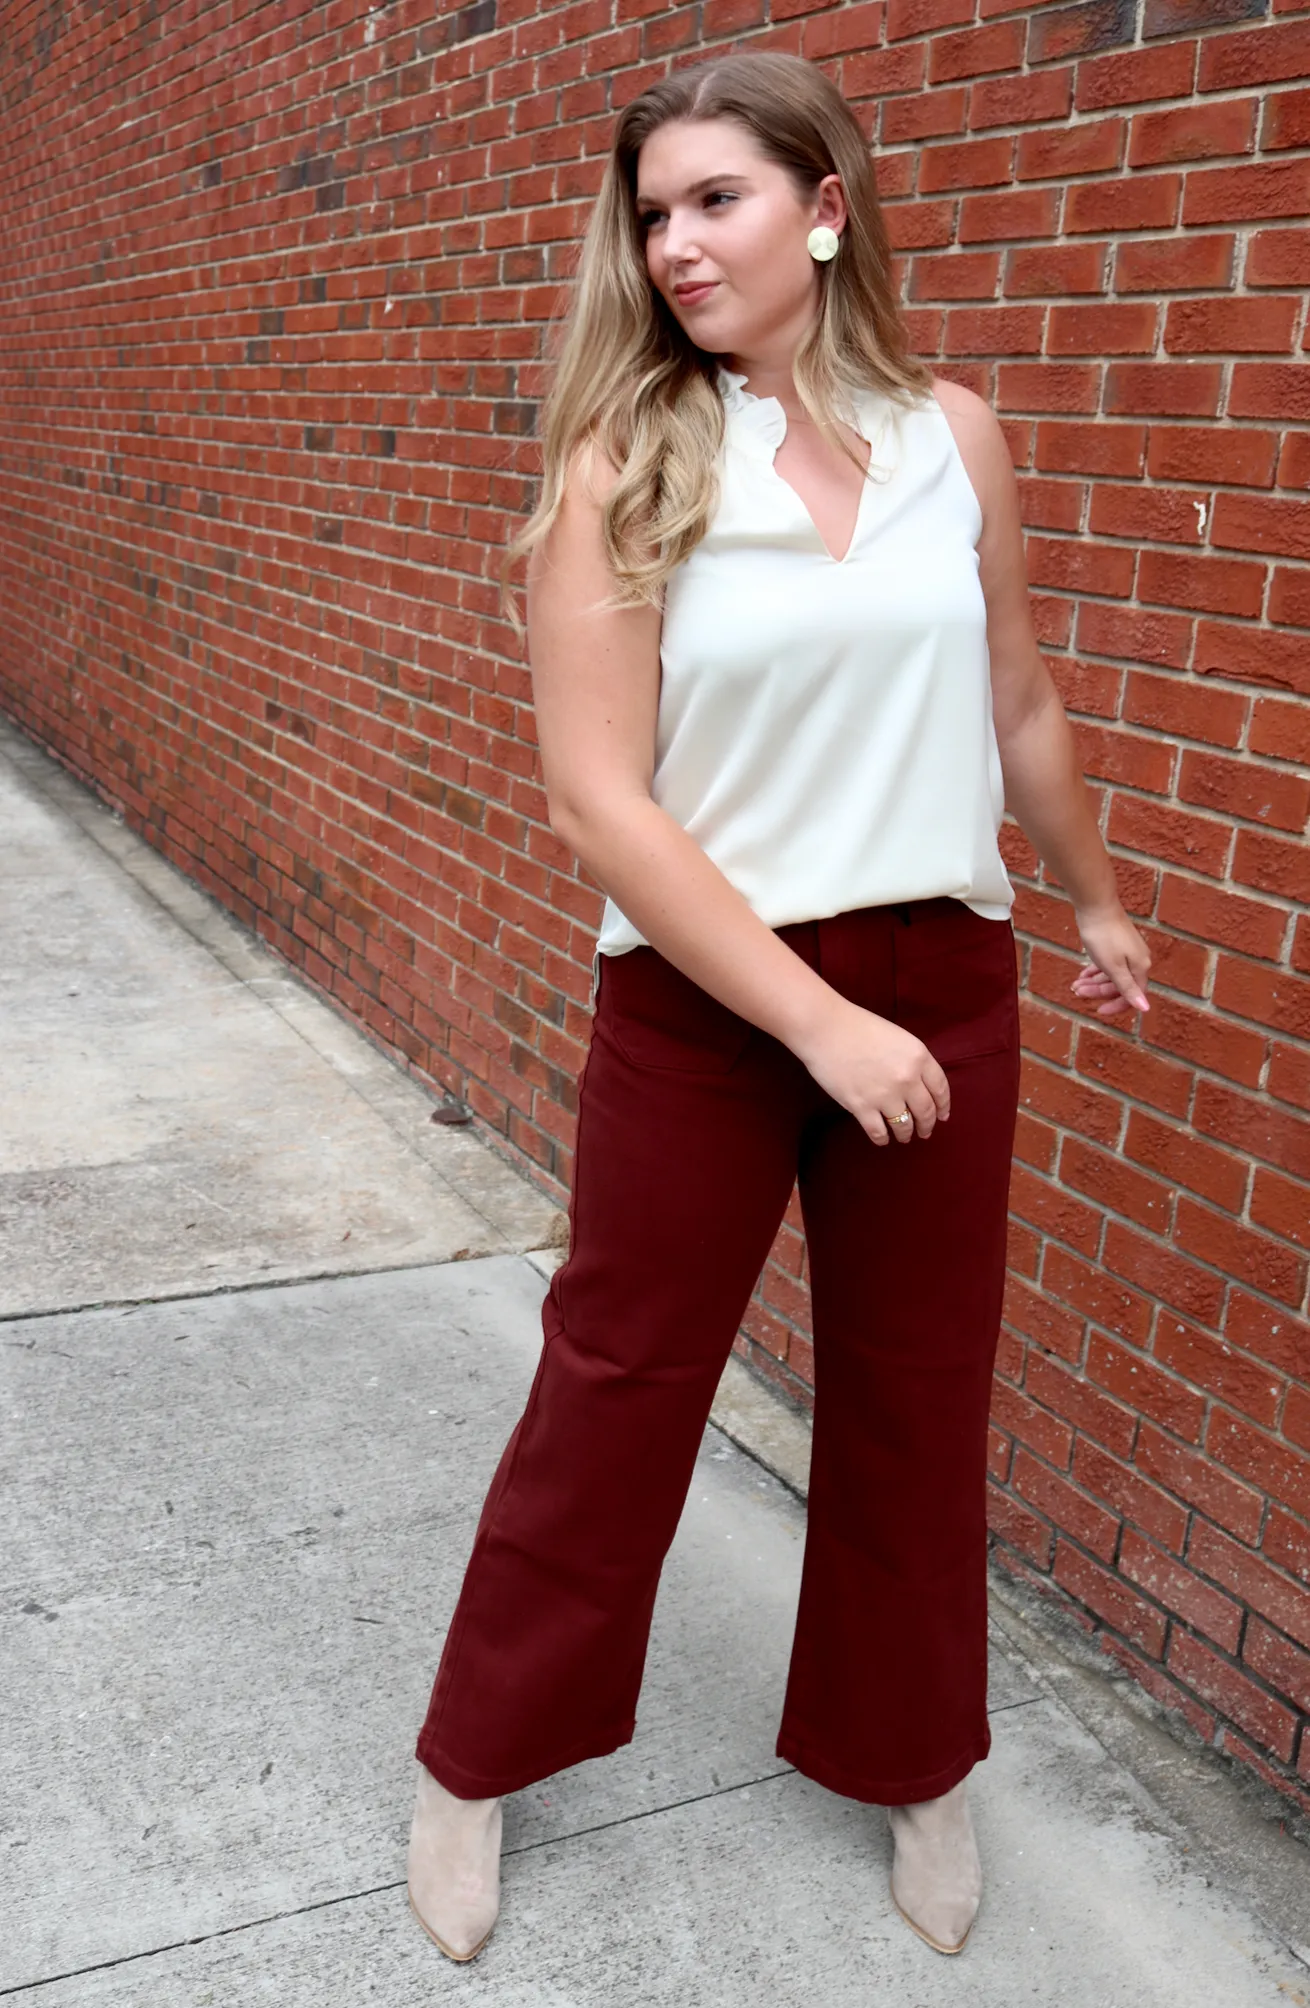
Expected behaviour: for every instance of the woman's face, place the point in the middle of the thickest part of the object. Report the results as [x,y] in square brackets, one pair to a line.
[717,216]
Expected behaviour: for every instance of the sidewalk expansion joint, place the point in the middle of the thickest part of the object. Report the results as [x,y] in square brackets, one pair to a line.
[378,1889]
[187,1295]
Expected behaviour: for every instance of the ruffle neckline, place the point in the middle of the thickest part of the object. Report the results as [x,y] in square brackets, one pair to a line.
[763,418]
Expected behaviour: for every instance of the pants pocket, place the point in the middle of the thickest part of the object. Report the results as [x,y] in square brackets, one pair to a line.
[659,1018]
[956,981]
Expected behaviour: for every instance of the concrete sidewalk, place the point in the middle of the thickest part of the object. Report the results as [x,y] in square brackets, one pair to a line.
[265,1329]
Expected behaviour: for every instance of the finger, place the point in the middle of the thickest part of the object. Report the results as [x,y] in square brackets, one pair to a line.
[902,1132]
[1139,963]
[934,1079]
[876,1128]
[923,1108]
[1129,988]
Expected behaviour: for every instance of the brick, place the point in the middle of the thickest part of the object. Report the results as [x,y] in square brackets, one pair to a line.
[1282,1205]
[1035,1143]
[1217,1369]
[1246,788]
[1272,1775]
[1170,1583]
[1087,1288]
[1200,584]
[1026,1310]
[1240,1251]
[1063,1099]
[1268,997]
[1200,843]
[1055,1212]
[1269,1722]
[1191,1476]
[1110,1598]
[1112,1183]
[1142,1386]
[1289,1074]
[1278,1662]
[1167,1692]
[1287,1544]
[1065,1505]
[1023,1419]
[1250,654]
[1206,1040]
[1196,1291]
[1120,1063]
[1261,1459]
[1280,729]
[1070,1395]
[1044,1032]
[1268,1331]
[1186,709]
[1252,1580]
[1248,925]
[1137,1501]
[1241,60]
[1271,864]
[1023,1529]
[1175,1154]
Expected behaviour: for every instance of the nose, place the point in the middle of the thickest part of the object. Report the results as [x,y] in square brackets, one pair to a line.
[681,250]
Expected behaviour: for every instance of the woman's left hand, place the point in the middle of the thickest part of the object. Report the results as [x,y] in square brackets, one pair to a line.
[1115,977]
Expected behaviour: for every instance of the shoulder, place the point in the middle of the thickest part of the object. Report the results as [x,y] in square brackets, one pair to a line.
[981,440]
[967,414]
[589,474]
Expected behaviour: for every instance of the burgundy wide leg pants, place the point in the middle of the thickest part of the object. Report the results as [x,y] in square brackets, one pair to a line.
[692,1126]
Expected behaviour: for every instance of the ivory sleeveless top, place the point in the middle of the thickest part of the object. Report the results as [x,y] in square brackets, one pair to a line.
[825,724]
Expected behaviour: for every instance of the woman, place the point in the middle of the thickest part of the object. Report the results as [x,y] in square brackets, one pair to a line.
[785,681]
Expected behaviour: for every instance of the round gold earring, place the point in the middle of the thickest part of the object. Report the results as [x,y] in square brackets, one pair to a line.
[822,243]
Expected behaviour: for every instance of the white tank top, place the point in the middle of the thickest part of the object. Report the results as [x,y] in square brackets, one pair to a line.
[825,725]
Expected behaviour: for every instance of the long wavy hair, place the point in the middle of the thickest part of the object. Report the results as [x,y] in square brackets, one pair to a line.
[627,377]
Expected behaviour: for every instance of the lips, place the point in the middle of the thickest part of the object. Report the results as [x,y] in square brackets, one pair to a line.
[689,296]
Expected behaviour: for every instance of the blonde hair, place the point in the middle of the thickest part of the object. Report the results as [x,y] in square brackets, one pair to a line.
[630,380]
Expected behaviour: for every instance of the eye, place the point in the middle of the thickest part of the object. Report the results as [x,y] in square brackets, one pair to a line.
[645,217]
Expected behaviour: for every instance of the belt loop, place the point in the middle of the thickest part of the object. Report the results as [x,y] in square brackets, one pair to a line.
[903,909]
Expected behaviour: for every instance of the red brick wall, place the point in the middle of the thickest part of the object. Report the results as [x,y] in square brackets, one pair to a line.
[274,283]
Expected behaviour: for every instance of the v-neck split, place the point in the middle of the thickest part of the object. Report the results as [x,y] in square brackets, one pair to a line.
[765,420]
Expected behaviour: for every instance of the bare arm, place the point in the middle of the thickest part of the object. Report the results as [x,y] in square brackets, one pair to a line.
[595,677]
[1044,786]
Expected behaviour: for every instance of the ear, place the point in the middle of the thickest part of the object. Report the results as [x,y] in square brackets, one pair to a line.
[830,202]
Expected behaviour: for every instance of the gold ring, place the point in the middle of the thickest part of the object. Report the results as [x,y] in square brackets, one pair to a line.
[904,1117]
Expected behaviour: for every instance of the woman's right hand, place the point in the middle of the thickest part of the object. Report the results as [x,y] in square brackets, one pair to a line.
[877,1069]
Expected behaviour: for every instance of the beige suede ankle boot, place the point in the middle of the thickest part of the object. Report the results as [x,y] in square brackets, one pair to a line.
[454,1867]
[936,1879]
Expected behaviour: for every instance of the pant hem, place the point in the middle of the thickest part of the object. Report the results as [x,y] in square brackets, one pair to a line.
[466,1784]
[882,1791]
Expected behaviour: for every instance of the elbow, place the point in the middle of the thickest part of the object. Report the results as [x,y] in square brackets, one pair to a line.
[565,821]
[590,828]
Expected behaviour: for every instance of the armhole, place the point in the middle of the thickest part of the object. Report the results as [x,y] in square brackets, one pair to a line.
[962,473]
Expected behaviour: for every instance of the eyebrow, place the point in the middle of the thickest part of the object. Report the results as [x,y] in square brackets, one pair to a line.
[706,181]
